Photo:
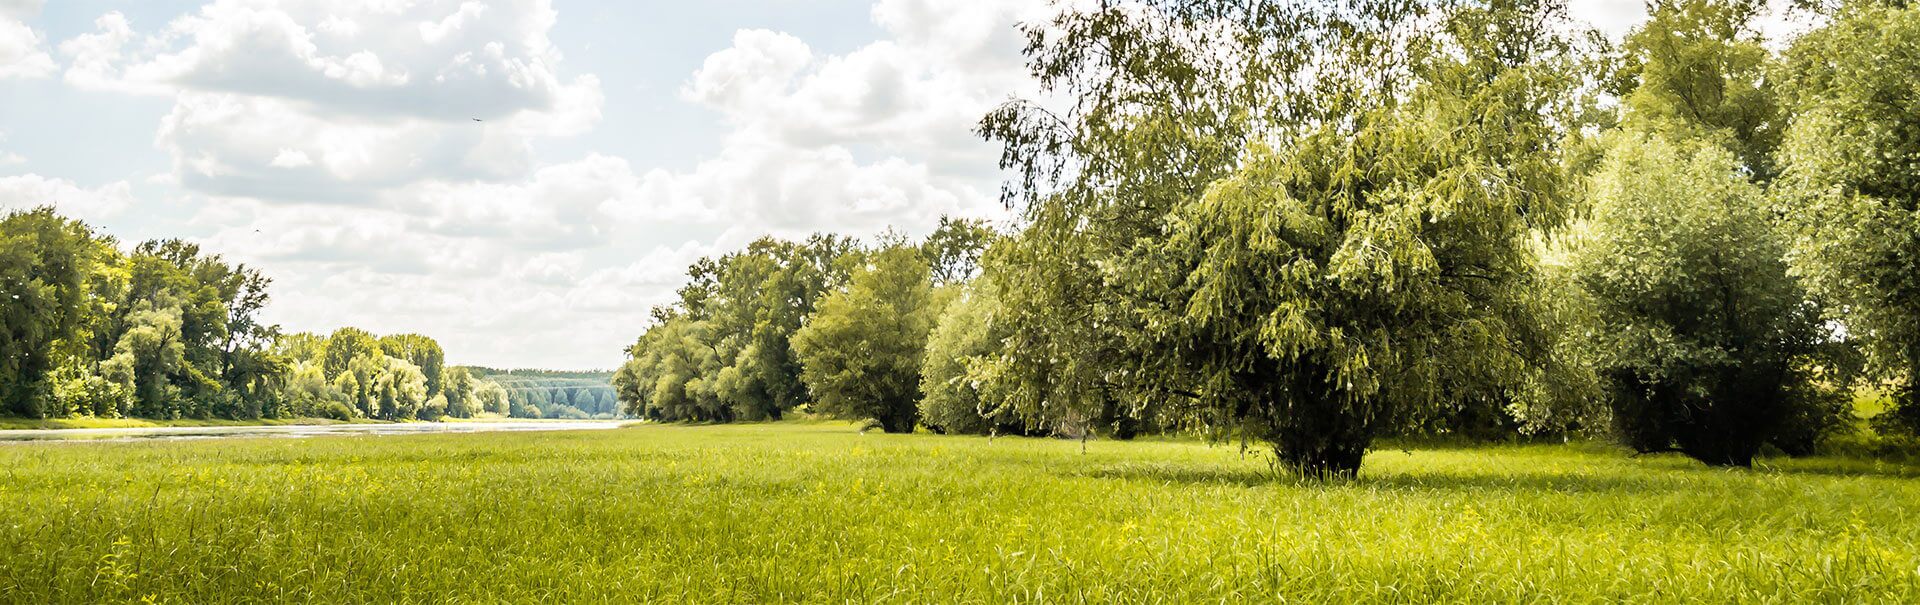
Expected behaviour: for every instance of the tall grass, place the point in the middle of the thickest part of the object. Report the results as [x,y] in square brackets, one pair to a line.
[810,512]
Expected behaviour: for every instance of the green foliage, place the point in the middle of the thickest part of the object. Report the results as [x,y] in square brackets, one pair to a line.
[954,249]
[346,345]
[1705,343]
[1851,183]
[1321,240]
[423,353]
[861,352]
[725,352]
[815,513]
[45,264]
[1696,70]
[459,393]
[966,335]
[665,378]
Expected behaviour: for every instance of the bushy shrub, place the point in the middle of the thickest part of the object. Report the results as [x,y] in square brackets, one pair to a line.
[334,410]
[1705,343]
[952,401]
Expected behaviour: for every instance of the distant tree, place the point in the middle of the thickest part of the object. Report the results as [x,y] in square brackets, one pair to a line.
[861,351]
[1697,70]
[149,354]
[218,305]
[1851,183]
[1704,341]
[523,407]
[954,249]
[309,394]
[665,381]
[302,347]
[491,397]
[459,391]
[346,345]
[422,352]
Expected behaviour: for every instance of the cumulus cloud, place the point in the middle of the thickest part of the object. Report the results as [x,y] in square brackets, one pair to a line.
[331,101]
[375,157]
[268,148]
[89,204]
[881,136]
[23,53]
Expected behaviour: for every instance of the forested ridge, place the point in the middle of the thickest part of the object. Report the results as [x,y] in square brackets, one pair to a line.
[1313,225]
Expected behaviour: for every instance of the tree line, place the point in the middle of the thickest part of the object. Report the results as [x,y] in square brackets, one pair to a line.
[1315,224]
[554,393]
[166,330]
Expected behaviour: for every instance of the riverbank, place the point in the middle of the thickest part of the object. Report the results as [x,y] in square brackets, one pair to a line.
[87,422]
[300,430]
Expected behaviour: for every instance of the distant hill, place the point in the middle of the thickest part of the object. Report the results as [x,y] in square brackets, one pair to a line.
[555,393]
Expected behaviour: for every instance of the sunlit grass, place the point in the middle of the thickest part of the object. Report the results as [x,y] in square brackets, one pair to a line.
[817,512]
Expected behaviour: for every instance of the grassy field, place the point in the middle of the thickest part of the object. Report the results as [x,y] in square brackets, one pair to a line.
[817,512]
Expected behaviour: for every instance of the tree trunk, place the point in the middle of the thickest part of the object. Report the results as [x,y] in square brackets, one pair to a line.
[1317,439]
[1329,460]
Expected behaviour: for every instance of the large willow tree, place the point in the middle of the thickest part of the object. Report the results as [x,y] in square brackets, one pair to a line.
[1301,223]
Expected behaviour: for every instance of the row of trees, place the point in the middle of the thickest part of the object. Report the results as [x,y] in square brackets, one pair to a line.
[166,330]
[555,394]
[827,323]
[1313,224]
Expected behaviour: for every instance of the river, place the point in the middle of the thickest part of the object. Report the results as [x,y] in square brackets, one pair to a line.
[207,432]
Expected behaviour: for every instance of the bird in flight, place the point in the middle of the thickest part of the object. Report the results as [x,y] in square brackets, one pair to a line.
[478,120]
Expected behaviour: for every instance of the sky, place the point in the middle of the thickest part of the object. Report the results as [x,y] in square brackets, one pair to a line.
[520,179]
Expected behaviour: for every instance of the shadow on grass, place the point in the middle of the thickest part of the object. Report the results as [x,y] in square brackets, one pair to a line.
[1840,467]
[1571,483]
[1656,478]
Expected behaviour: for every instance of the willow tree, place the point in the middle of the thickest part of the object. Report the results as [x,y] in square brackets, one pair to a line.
[1153,117]
[1851,182]
[1306,222]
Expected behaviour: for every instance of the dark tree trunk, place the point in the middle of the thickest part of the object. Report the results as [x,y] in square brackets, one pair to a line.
[894,424]
[900,418]
[1313,436]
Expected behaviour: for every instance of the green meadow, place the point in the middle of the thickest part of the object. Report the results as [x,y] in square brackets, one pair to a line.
[822,513]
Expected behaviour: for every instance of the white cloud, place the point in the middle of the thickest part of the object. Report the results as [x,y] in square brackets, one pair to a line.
[374,94]
[22,53]
[95,204]
[8,158]
[333,145]
[20,8]
[1779,23]
[94,59]
[487,299]
[237,145]
[804,123]
[751,75]
[291,158]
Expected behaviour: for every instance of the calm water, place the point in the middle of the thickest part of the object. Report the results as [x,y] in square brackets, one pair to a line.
[410,428]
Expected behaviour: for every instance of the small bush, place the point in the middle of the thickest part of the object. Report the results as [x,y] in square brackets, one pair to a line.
[334,410]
